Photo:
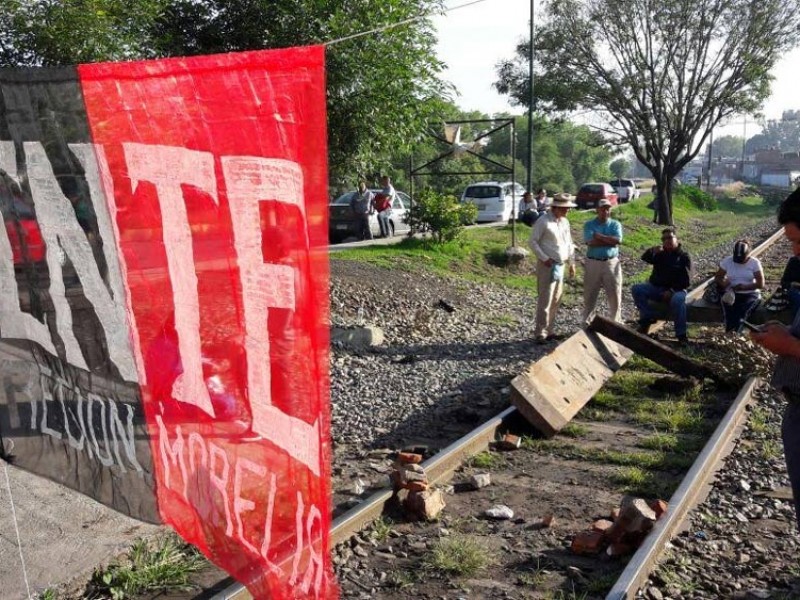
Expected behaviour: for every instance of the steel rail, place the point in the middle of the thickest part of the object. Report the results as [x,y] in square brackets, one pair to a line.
[692,491]
[446,461]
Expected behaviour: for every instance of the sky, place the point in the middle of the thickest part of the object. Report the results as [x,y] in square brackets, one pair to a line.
[473,39]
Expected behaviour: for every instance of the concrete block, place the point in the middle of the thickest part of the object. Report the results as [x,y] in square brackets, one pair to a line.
[553,389]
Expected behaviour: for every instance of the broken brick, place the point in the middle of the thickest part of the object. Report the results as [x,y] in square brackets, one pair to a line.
[587,542]
[510,442]
[659,507]
[408,458]
[416,486]
[602,525]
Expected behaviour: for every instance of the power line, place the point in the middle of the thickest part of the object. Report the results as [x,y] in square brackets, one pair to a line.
[398,24]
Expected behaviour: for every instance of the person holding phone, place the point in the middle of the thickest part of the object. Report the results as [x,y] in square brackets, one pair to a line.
[785,342]
[741,278]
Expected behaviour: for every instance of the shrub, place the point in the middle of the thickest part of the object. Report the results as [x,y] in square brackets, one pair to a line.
[440,214]
[695,196]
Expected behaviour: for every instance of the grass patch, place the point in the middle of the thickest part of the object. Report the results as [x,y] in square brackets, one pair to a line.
[401,580]
[673,416]
[632,477]
[381,528]
[600,585]
[759,420]
[485,460]
[770,449]
[574,430]
[164,565]
[458,555]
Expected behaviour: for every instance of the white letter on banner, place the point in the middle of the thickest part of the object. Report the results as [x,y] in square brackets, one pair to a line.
[167,168]
[110,310]
[13,322]
[60,230]
[264,286]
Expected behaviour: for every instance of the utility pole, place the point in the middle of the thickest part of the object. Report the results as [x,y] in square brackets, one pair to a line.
[744,142]
[530,105]
[710,144]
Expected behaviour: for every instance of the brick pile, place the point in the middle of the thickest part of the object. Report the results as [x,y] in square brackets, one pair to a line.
[623,531]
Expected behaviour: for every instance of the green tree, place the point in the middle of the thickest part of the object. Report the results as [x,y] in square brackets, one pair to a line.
[782,134]
[727,146]
[382,87]
[64,32]
[620,167]
[661,75]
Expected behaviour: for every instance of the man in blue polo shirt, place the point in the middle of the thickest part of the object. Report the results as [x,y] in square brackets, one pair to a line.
[603,269]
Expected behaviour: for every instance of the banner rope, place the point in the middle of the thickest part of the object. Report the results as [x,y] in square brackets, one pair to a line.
[398,24]
[16,528]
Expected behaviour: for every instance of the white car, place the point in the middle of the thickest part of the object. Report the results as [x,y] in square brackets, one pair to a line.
[495,200]
[626,189]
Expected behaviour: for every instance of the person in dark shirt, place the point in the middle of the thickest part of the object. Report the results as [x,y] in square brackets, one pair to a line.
[785,342]
[668,283]
[790,283]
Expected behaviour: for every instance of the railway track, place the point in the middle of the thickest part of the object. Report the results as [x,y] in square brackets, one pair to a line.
[442,465]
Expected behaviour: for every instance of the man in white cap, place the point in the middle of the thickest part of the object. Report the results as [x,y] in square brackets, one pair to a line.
[551,241]
[603,269]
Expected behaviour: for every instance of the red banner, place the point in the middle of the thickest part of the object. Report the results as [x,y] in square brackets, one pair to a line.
[215,173]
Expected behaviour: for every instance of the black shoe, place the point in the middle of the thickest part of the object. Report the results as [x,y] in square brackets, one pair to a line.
[644,327]
[542,340]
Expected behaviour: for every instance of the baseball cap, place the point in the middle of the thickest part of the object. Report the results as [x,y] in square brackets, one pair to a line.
[603,202]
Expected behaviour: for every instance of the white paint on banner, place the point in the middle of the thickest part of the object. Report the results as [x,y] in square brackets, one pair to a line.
[14,323]
[168,168]
[250,180]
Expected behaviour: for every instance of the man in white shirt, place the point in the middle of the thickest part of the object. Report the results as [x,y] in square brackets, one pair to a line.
[551,241]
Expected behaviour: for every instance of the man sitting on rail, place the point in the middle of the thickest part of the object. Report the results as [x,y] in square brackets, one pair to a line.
[668,283]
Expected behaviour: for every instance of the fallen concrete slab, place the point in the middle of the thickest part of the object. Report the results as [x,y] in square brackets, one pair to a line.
[554,388]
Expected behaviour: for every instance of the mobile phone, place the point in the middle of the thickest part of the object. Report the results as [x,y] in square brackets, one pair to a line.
[750,326]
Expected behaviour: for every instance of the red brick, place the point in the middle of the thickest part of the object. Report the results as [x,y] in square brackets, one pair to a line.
[602,525]
[659,507]
[416,486]
[409,458]
[510,442]
[587,542]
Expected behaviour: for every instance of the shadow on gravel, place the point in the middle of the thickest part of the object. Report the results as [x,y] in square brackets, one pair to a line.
[450,416]
[513,350]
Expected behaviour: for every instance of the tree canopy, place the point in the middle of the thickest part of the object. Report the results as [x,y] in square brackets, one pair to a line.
[659,73]
[382,87]
[781,134]
[727,146]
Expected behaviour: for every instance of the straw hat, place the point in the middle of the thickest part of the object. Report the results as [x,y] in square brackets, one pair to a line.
[562,201]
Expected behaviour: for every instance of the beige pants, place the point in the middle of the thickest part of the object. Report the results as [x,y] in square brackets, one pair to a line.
[548,301]
[605,275]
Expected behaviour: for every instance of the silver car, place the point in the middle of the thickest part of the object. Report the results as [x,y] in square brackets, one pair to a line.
[342,223]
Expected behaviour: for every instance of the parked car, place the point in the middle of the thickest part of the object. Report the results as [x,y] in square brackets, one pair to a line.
[626,189]
[22,231]
[591,193]
[495,200]
[342,223]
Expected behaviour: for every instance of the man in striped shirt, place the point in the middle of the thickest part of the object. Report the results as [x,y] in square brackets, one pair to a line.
[785,342]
